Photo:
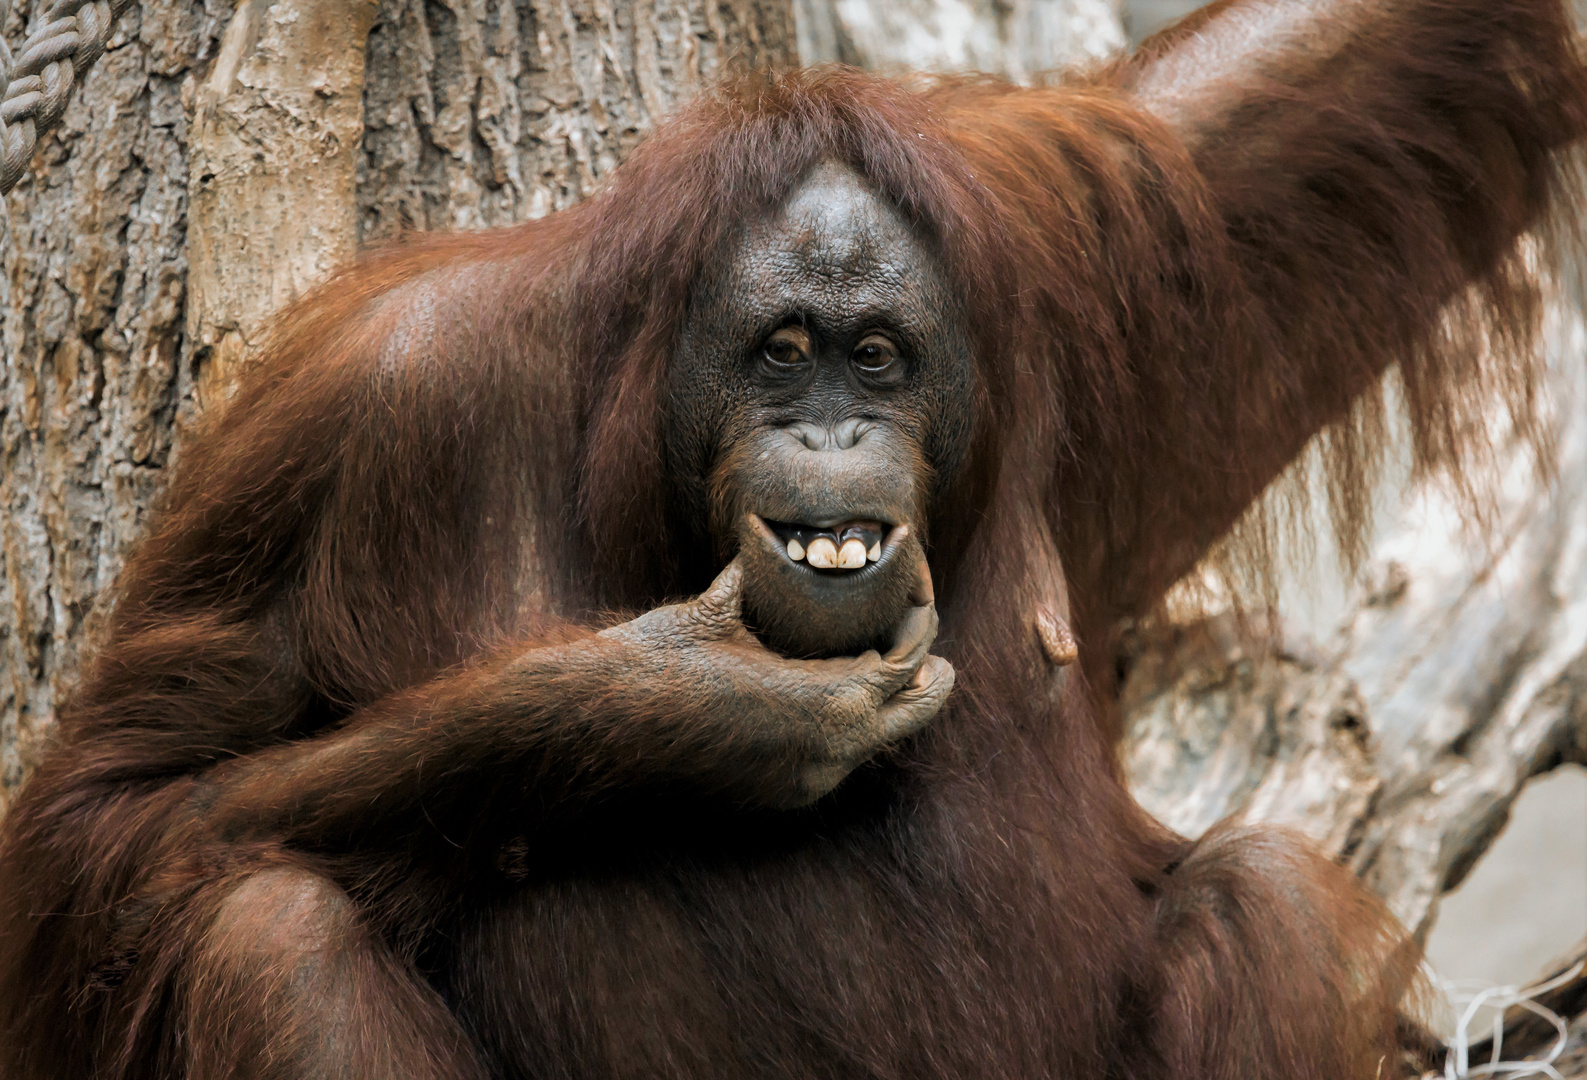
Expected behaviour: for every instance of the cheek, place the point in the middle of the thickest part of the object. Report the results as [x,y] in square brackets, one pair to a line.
[947,405]
[700,422]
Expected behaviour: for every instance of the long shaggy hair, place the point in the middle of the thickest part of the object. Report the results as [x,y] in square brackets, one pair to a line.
[1175,271]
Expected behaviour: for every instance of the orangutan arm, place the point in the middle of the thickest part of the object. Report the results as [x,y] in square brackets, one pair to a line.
[683,697]
[1365,172]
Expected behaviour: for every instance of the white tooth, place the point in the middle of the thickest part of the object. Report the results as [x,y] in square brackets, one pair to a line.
[822,553]
[851,556]
[875,552]
[796,550]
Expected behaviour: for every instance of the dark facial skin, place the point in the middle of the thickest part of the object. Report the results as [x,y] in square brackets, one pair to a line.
[822,388]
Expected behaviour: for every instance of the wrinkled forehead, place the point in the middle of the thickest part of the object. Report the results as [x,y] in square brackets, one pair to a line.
[837,248]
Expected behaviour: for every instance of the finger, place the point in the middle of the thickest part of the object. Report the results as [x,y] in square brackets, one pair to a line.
[726,593]
[838,669]
[913,707]
[913,638]
[878,677]
[922,593]
[911,642]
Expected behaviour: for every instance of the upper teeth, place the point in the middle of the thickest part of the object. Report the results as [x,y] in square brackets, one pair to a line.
[825,554]
[822,553]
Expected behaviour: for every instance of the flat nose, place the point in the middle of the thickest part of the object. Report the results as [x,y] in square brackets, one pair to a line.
[840,436]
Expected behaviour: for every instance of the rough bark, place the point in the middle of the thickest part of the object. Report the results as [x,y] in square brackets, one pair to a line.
[273,152]
[483,114]
[1399,735]
[156,230]
[91,325]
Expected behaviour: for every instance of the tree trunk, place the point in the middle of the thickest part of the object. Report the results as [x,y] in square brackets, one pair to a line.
[1021,39]
[214,164]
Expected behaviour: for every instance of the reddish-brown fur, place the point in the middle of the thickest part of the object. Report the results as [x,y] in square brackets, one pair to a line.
[1176,271]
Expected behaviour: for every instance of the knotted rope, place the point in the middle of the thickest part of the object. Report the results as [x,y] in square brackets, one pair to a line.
[39,82]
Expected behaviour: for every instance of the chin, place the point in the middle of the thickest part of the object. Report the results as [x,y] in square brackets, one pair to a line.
[808,594]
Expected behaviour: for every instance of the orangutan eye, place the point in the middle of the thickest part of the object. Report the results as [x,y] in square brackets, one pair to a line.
[876,357]
[786,349]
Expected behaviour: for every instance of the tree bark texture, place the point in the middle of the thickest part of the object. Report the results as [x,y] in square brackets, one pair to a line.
[1399,736]
[213,165]
[273,150]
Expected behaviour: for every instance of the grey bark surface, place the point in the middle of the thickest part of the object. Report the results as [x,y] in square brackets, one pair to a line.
[1020,39]
[1399,736]
[1397,732]
[133,285]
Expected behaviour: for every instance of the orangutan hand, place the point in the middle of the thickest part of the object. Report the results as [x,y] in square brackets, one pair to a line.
[792,728]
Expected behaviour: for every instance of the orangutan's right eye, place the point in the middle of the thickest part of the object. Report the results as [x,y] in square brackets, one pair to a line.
[787,350]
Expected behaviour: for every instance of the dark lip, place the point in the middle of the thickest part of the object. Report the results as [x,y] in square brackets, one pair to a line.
[891,542]
[825,523]
[870,531]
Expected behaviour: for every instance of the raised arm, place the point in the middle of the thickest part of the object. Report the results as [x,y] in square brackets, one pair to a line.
[1267,207]
[1374,167]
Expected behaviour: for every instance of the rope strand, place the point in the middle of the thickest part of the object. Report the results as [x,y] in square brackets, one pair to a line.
[39,81]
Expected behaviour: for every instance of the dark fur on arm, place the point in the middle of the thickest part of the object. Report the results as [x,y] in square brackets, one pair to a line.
[1269,207]
[1371,168]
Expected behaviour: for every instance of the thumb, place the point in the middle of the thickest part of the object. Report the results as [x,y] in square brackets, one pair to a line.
[922,592]
[725,595]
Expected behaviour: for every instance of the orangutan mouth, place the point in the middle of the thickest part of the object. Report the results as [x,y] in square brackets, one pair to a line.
[839,547]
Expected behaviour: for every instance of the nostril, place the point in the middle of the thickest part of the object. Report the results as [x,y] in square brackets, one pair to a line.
[813,436]
[850,432]
[840,436]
